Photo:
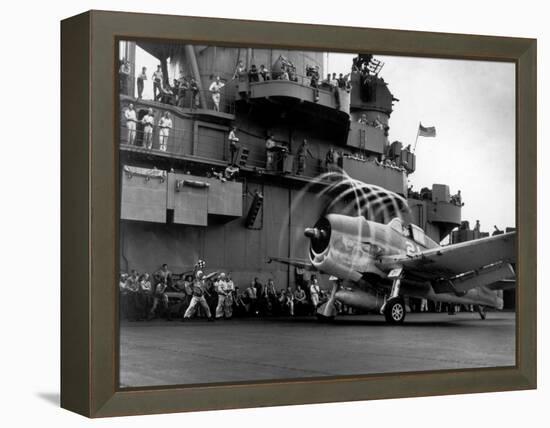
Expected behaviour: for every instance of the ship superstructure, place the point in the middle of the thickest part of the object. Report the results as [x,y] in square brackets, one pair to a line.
[181,204]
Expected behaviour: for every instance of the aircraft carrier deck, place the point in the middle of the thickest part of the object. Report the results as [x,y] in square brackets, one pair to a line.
[168,353]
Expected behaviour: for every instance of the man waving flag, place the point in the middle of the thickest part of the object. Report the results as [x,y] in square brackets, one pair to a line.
[424,131]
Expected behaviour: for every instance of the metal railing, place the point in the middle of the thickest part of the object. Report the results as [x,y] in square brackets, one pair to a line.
[179,141]
[300,79]
[176,141]
[189,99]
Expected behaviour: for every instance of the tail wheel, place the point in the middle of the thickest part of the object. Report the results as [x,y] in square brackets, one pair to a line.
[395,311]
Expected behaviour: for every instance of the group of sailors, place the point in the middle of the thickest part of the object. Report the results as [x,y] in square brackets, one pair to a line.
[213,296]
[288,72]
[147,124]
[276,152]
[332,160]
[426,193]
[340,81]
[376,123]
[253,75]
[175,94]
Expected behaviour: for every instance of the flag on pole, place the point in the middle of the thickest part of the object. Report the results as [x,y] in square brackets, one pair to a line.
[426,131]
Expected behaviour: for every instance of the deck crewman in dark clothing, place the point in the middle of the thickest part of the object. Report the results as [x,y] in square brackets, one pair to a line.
[264,74]
[251,299]
[341,81]
[145,295]
[195,100]
[124,73]
[329,159]
[314,82]
[233,144]
[182,87]
[253,75]
[157,83]
[132,296]
[270,152]
[163,275]
[163,279]
[142,77]
[301,154]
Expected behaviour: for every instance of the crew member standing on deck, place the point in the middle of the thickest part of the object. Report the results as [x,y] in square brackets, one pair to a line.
[233,144]
[131,120]
[142,77]
[314,291]
[301,154]
[148,121]
[270,152]
[163,279]
[300,300]
[251,299]
[182,86]
[314,82]
[195,99]
[215,88]
[132,299]
[163,275]
[221,289]
[264,73]
[124,73]
[157,83]
[240,70]
[165,124]
[160,296]
[145,295]
[198,298]
[230,297]
[329,159]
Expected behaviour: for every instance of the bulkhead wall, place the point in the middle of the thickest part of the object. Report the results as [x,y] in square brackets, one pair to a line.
[229,246]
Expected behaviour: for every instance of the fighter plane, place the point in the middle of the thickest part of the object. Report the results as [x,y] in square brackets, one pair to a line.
[376,265]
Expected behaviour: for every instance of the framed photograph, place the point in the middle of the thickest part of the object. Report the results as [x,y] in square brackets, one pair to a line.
[261,214]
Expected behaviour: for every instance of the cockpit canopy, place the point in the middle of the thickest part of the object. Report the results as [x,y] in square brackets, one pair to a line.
[412,231]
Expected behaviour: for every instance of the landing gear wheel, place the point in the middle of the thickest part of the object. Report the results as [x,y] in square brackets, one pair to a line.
[395,311]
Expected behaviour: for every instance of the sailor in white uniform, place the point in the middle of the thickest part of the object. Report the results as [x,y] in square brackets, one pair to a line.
[198,297]
[131,120]
[215,88]
[165,124]
[148,121]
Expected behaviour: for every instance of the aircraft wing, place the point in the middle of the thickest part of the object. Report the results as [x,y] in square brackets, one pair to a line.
[299,263]
[451,260]
[503,284]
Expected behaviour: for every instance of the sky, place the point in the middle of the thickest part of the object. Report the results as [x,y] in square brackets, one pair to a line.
[472,106]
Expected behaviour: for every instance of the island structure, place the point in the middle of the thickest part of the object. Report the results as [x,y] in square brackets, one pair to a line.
[242,144]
